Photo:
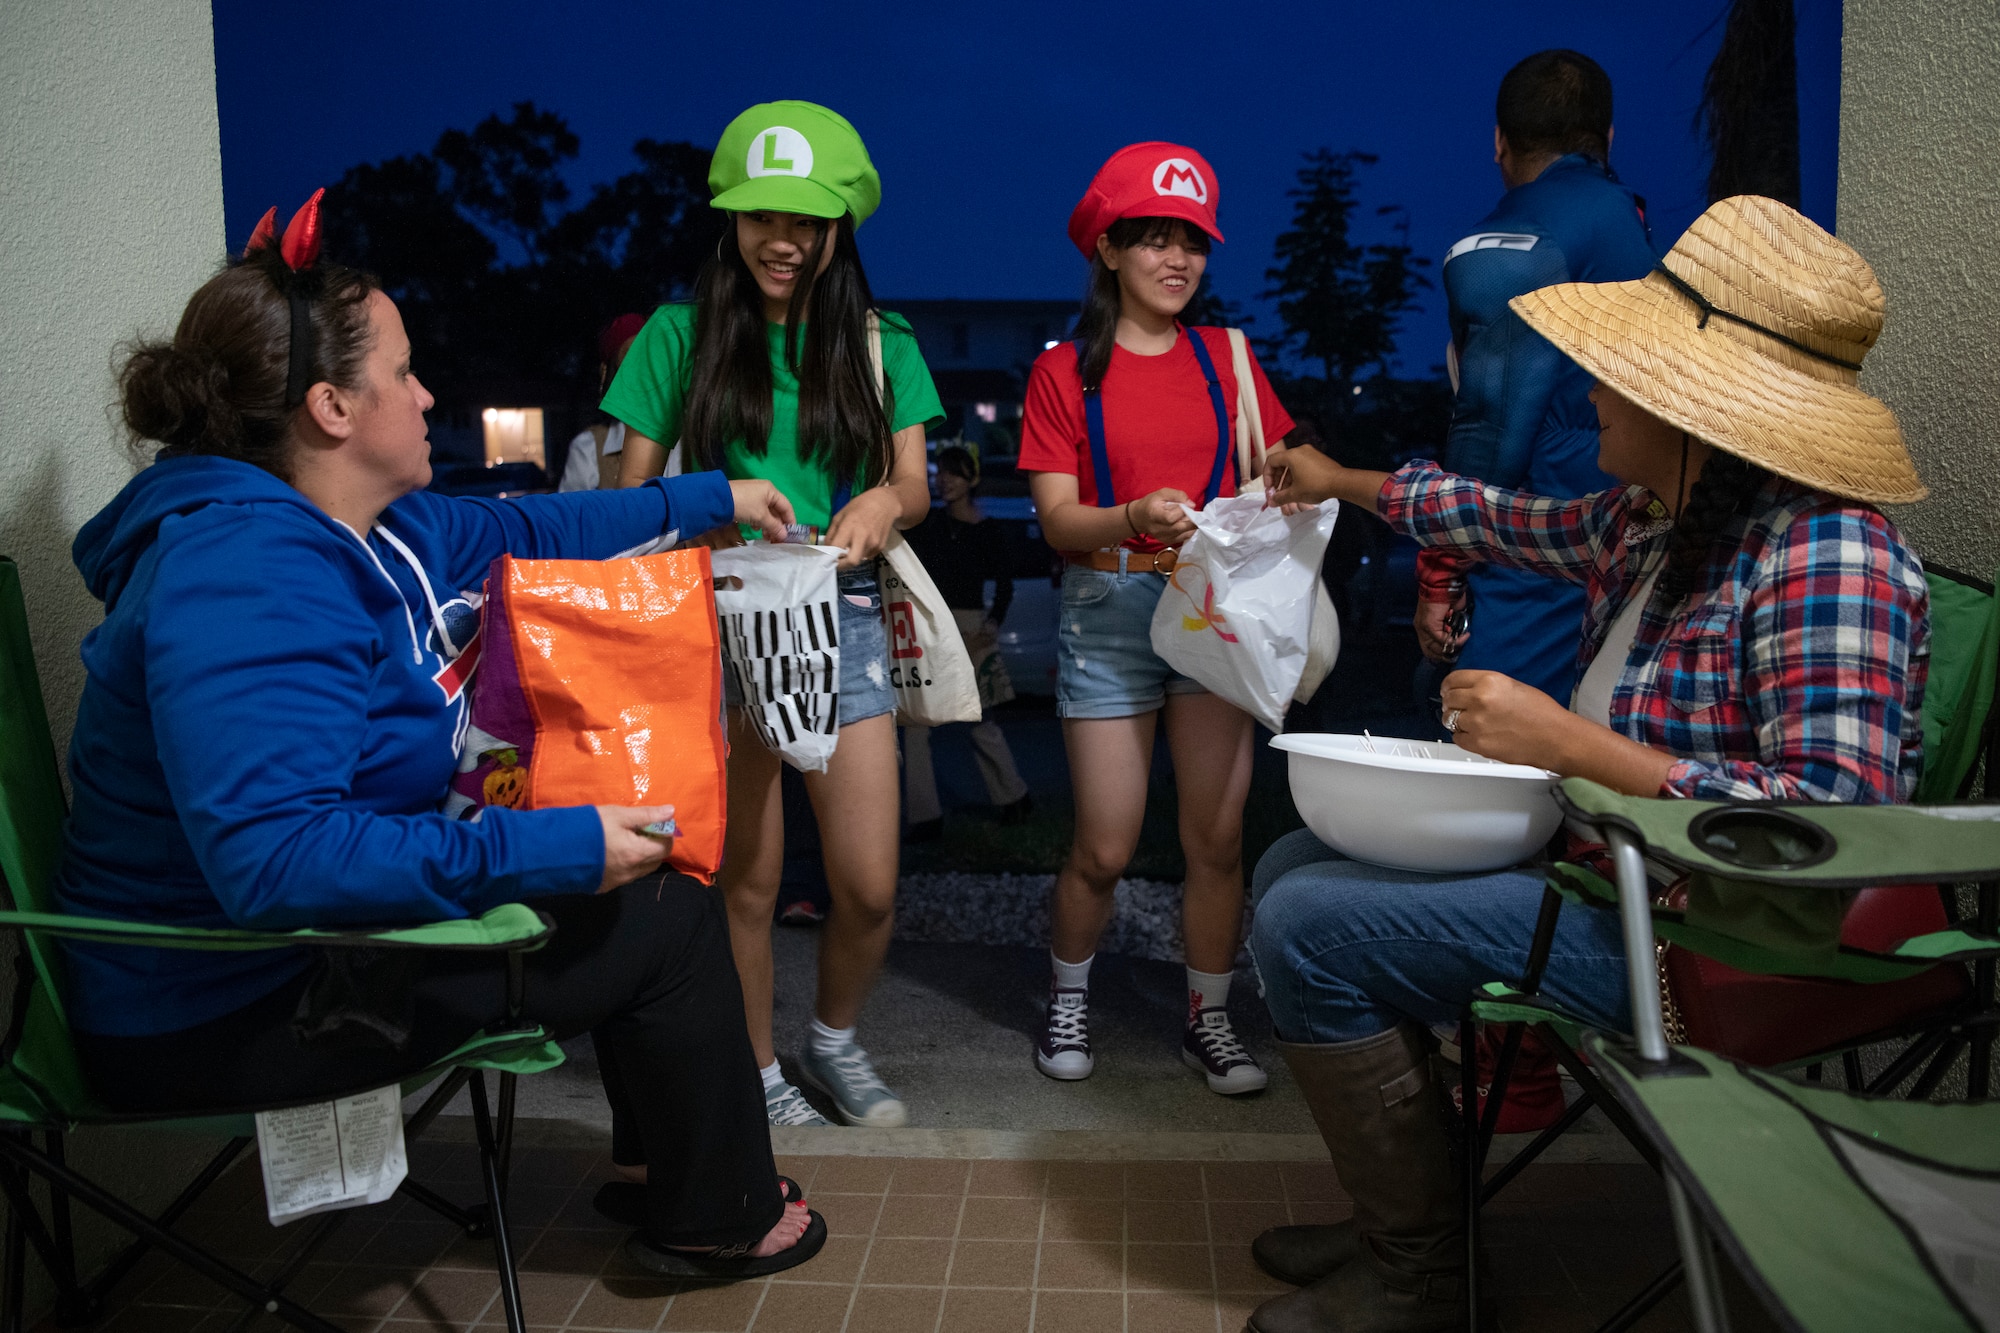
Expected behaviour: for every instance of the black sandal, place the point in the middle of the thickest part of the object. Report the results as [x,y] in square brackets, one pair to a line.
[731,1263]
[624,1201]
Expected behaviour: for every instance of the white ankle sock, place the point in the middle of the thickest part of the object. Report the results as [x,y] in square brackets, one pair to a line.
[773,1077]
[830,1041]
[1207,990]
[1072,976]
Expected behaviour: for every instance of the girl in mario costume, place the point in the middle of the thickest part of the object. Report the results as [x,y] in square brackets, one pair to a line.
[767,373]
[1124,430]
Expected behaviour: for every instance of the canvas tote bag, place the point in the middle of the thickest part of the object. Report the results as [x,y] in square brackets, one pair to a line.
[928,665]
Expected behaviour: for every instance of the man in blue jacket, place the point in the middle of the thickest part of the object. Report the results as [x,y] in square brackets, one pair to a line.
[1521,416]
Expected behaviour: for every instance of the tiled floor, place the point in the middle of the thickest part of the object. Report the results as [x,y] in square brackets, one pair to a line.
[924,1244]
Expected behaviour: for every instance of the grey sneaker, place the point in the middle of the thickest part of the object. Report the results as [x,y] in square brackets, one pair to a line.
[783,1105]
[1210,1047]
[859,1095]
[1064,1050]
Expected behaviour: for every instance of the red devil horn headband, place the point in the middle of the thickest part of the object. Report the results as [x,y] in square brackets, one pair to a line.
[300,246]
[300,251]
[266,233]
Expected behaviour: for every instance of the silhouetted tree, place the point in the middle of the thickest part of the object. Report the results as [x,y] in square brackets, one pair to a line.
[501,281]
[1339,298]
[507,174]
[1749,111]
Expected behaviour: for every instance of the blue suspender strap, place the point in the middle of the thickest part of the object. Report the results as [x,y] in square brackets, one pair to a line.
[1223,441]
[842,493]
[1093,416]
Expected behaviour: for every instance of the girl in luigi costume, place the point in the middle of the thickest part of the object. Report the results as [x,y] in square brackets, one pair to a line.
[1125,430]
[767,374]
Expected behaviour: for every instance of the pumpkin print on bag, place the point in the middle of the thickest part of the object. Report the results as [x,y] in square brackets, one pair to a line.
[508,784]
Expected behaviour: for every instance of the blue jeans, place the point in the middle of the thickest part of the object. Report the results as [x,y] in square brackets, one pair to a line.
[1346,950]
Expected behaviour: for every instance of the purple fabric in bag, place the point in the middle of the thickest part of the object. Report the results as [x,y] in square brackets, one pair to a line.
[500,737]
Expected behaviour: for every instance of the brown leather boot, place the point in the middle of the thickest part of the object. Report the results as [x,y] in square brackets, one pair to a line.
[1303,1254]
[1375,1106]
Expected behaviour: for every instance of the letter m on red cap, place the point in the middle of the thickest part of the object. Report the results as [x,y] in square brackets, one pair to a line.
[1177,175]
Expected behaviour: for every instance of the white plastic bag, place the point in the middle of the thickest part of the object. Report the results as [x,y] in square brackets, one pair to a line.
[928,663]
[781,644]
[1238,613]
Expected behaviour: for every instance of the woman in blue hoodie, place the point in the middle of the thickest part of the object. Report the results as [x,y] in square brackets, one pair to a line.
[270,720]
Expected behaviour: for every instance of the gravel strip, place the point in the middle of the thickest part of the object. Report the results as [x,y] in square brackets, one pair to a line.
[1014,909]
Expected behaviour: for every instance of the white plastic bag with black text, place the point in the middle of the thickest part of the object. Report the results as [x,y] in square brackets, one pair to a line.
[781,644]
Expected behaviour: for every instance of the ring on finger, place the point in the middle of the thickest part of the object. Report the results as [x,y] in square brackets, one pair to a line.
[1451,719]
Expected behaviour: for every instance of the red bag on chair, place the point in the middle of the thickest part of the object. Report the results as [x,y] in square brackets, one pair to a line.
[600,683]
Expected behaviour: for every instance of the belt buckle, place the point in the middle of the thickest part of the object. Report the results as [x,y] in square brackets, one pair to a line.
[1170,555]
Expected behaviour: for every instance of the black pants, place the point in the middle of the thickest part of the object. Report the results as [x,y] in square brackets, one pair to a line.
[646,970]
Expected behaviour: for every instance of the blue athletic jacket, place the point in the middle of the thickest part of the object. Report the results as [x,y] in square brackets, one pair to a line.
[272,712]
[1521,417]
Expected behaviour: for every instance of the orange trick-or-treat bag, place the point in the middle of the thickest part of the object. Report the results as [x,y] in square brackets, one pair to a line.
[600,683]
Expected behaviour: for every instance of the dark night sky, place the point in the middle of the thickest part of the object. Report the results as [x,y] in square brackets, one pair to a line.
[987,121]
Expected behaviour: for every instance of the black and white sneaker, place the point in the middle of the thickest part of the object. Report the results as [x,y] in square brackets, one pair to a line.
[1064,1050]
[1210,1047]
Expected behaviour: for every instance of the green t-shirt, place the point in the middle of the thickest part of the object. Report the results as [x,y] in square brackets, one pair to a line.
[650,394]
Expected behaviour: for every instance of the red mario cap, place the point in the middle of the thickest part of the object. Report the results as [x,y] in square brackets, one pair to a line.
[1146,180]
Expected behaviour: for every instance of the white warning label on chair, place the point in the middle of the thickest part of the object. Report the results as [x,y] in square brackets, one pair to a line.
[338,1154]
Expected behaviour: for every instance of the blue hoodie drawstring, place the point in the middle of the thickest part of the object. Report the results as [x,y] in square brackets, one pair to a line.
[447,649]
[416,644]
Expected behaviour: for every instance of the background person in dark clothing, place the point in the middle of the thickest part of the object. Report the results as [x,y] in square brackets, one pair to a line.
[1521,416]
[961,551]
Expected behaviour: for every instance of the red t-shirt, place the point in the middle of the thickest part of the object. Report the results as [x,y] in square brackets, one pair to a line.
[1159,423]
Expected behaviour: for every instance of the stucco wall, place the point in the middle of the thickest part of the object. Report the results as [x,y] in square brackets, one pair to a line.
[1920,198]
[110,214]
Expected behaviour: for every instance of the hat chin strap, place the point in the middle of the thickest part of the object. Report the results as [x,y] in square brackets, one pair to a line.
[1708,307]
[1680,490]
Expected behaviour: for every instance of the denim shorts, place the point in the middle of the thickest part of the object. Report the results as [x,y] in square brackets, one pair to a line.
[1105,663]
[865,690]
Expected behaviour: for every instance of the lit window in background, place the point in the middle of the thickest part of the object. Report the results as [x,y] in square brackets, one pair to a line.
[986,411]
[514,435]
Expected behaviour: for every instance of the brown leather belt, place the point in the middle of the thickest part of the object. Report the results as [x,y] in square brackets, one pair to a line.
[1136,562]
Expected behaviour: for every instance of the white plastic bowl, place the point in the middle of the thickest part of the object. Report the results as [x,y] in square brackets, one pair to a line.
[1418,805]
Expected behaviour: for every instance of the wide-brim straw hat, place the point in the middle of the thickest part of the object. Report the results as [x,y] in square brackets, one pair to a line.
[1749,336]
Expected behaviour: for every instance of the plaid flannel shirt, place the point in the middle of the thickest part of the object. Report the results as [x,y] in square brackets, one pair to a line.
[1797,673]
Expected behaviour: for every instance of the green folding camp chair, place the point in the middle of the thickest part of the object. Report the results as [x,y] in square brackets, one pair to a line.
[42,1087]
[1841,1210]
[1937,1021]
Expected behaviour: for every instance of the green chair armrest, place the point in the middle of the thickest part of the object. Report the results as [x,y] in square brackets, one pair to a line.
[509,926]
[1498,1002]
[1869,845]
[1581,885]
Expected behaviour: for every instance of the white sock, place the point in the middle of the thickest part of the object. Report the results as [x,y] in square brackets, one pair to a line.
[830,1041]
[774,1078]
[1207,990]
[1072,976]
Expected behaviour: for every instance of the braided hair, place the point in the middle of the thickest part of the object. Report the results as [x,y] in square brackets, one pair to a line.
[1726,489]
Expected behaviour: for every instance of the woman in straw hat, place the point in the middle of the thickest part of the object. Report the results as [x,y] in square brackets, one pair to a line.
[1754,629]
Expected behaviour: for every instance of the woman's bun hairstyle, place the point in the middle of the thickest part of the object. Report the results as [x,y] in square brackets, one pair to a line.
[217,387]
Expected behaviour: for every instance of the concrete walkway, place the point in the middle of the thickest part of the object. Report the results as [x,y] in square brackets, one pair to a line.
[952,1026]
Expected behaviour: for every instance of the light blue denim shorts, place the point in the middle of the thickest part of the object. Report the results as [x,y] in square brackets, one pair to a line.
[865,690]
[1105,663]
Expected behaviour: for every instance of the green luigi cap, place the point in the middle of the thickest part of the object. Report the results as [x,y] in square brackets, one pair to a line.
[794,157]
